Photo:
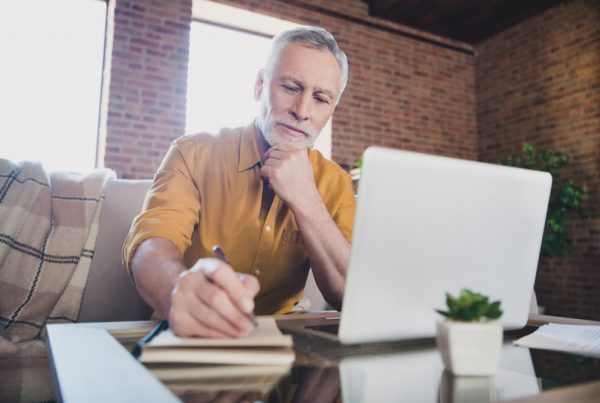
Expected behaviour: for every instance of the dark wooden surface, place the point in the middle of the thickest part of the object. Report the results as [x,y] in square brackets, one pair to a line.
[464,20]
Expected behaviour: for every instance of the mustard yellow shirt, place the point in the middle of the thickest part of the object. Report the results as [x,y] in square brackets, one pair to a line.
[208,191]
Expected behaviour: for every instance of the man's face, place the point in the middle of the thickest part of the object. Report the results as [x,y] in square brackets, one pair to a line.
[299,95]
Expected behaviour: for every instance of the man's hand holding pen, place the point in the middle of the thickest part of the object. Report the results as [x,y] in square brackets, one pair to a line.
[211,300]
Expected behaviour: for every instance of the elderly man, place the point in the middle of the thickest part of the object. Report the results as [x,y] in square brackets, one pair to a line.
[274,205]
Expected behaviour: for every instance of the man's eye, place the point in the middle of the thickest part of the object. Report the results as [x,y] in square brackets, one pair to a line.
[322,100]
[287,88]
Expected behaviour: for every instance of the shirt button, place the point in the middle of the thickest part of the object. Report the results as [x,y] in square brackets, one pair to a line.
[267,228]
[257,271]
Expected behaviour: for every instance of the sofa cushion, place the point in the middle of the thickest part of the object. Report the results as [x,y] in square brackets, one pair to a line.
[110,294]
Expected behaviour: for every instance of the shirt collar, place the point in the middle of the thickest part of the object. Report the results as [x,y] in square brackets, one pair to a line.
[249,154]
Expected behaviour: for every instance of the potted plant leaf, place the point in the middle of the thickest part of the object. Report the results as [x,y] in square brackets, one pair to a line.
[470,338]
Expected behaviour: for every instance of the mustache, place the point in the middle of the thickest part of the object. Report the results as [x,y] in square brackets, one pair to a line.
[300,127]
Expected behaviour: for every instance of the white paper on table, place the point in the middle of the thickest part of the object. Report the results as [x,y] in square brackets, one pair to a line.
[578,339]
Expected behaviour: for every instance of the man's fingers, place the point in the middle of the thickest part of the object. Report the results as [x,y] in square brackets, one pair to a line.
[279,154]
[287,146]
[207,266]
[222,309]
[221,274]
[183,324]
[189,299]
[219,319]
[202,295]
[276,150]
[227,279]
[274,154]
[250,282]
[282,151]
[230,297]
[271,163]
[267,154]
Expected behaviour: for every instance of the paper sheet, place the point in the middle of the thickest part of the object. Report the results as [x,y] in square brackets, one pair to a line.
[266,334]
[584,340]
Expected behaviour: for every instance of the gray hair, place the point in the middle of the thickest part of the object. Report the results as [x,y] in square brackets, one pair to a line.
[313,37]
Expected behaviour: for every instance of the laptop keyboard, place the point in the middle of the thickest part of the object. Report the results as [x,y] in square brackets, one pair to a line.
[333,329]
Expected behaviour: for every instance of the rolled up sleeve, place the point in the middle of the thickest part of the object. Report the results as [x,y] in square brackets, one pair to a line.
[172,206]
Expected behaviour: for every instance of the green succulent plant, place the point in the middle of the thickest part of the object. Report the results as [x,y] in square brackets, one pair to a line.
[470,307]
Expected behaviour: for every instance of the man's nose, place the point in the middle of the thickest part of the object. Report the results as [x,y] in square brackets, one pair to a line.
[301,108]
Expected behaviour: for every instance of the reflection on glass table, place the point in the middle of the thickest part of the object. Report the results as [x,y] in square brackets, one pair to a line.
[414,374]
[298,384]
[227,383]
[419,376]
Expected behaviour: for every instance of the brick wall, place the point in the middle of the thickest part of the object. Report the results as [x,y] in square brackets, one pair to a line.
[402,92]
[148,83]
[540,82]
[537,82]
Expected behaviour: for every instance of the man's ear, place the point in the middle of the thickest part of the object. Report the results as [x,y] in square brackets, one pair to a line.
[258,85]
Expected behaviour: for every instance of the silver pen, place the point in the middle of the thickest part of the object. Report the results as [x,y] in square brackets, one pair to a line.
[221,256]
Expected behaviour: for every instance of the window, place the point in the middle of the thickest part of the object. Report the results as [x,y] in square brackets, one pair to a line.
[228,46]
[221,73]
[50,77]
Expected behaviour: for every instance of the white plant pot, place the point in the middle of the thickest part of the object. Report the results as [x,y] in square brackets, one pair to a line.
[470,348]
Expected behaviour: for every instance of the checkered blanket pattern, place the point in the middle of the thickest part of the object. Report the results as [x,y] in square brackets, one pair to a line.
[48,227]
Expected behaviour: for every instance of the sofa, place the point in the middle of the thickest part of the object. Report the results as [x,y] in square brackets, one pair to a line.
[110,295]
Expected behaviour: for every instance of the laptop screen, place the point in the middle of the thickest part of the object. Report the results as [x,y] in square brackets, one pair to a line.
[426,225]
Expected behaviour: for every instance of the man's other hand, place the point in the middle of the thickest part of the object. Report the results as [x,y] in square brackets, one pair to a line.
[211,300]
[290,174]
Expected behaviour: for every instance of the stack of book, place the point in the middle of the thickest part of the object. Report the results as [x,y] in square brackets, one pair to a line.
[255,362]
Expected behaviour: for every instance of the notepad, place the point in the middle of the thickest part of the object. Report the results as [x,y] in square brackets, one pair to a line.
[578,339]
[266,345]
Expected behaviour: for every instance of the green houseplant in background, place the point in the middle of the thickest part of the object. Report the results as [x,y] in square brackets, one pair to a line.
[565,196]
[470,337]
[356,168]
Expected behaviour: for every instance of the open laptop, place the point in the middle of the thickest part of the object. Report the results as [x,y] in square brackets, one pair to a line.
[426,225]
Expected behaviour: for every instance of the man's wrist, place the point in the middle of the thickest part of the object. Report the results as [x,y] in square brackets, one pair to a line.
[310,207]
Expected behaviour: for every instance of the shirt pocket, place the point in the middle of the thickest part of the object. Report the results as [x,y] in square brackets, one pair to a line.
[292,236]
[292,258]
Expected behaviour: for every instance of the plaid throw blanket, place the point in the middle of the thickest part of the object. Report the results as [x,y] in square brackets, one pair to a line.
[48,227]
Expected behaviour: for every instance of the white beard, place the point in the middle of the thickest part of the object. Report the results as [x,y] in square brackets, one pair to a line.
[267,125]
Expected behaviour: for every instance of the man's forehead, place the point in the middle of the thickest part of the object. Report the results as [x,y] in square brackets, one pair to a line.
[309,66]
